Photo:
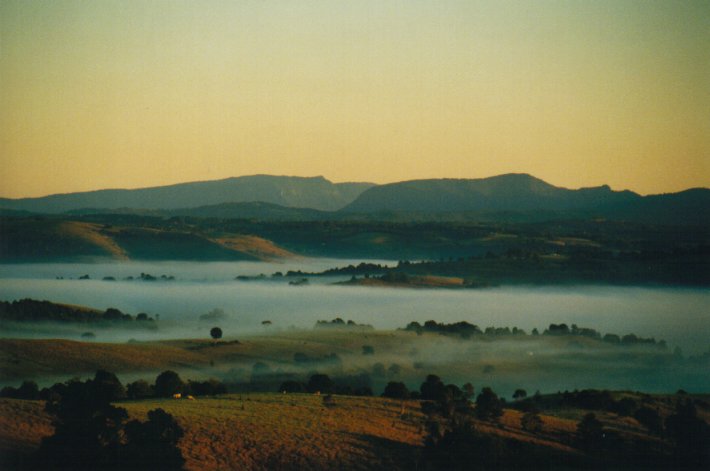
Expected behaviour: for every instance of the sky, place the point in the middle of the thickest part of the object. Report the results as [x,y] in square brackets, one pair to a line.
[128,94]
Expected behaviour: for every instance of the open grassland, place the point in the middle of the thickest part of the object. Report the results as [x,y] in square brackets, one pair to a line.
[33,358]
[294,431]
[262,431]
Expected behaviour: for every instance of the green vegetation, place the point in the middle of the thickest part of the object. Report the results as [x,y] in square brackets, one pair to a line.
[31,311]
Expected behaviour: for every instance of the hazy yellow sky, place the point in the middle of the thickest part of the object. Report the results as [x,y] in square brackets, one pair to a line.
[98,94]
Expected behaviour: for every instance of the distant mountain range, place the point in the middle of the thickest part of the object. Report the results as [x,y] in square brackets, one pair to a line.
[298,192]
[511,196]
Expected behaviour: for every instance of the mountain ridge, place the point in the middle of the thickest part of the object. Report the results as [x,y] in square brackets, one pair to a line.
[268,197]
[316,192]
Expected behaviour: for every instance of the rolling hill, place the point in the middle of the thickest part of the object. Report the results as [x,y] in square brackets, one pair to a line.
[55,239]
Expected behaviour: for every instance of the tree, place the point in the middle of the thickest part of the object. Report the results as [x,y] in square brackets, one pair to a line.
[590,432]
[488,405]
[320,383]
[216,333]
[396,390]
[90,433]
[28,390]
[108,386]
[691,436]
[520,394]
[432,389]
[168,383]
[153,444]
[87,429]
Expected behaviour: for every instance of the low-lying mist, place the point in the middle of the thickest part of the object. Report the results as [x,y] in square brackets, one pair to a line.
[680,316]
[275,320]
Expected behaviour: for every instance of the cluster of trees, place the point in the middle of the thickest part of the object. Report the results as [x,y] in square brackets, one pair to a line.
[463,328]
[27,390]
[626,340]
[467,330]
[339,323]
[364,268]
[166,384]
[689,437]
[30,310]
[169,383]
[142,277]
[91,433]
[357,385]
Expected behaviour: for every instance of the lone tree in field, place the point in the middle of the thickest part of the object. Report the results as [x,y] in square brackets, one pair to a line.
[216,333]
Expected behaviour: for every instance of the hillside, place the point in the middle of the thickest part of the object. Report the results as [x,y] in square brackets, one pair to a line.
[298,431]
[302,192]
[56,239]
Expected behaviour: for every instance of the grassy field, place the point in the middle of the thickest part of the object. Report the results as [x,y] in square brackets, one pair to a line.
[548,363]
[261,431]
[297,431]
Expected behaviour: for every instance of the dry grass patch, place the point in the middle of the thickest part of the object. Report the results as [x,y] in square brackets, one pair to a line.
[262,249]
[92,234]
[278,431]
